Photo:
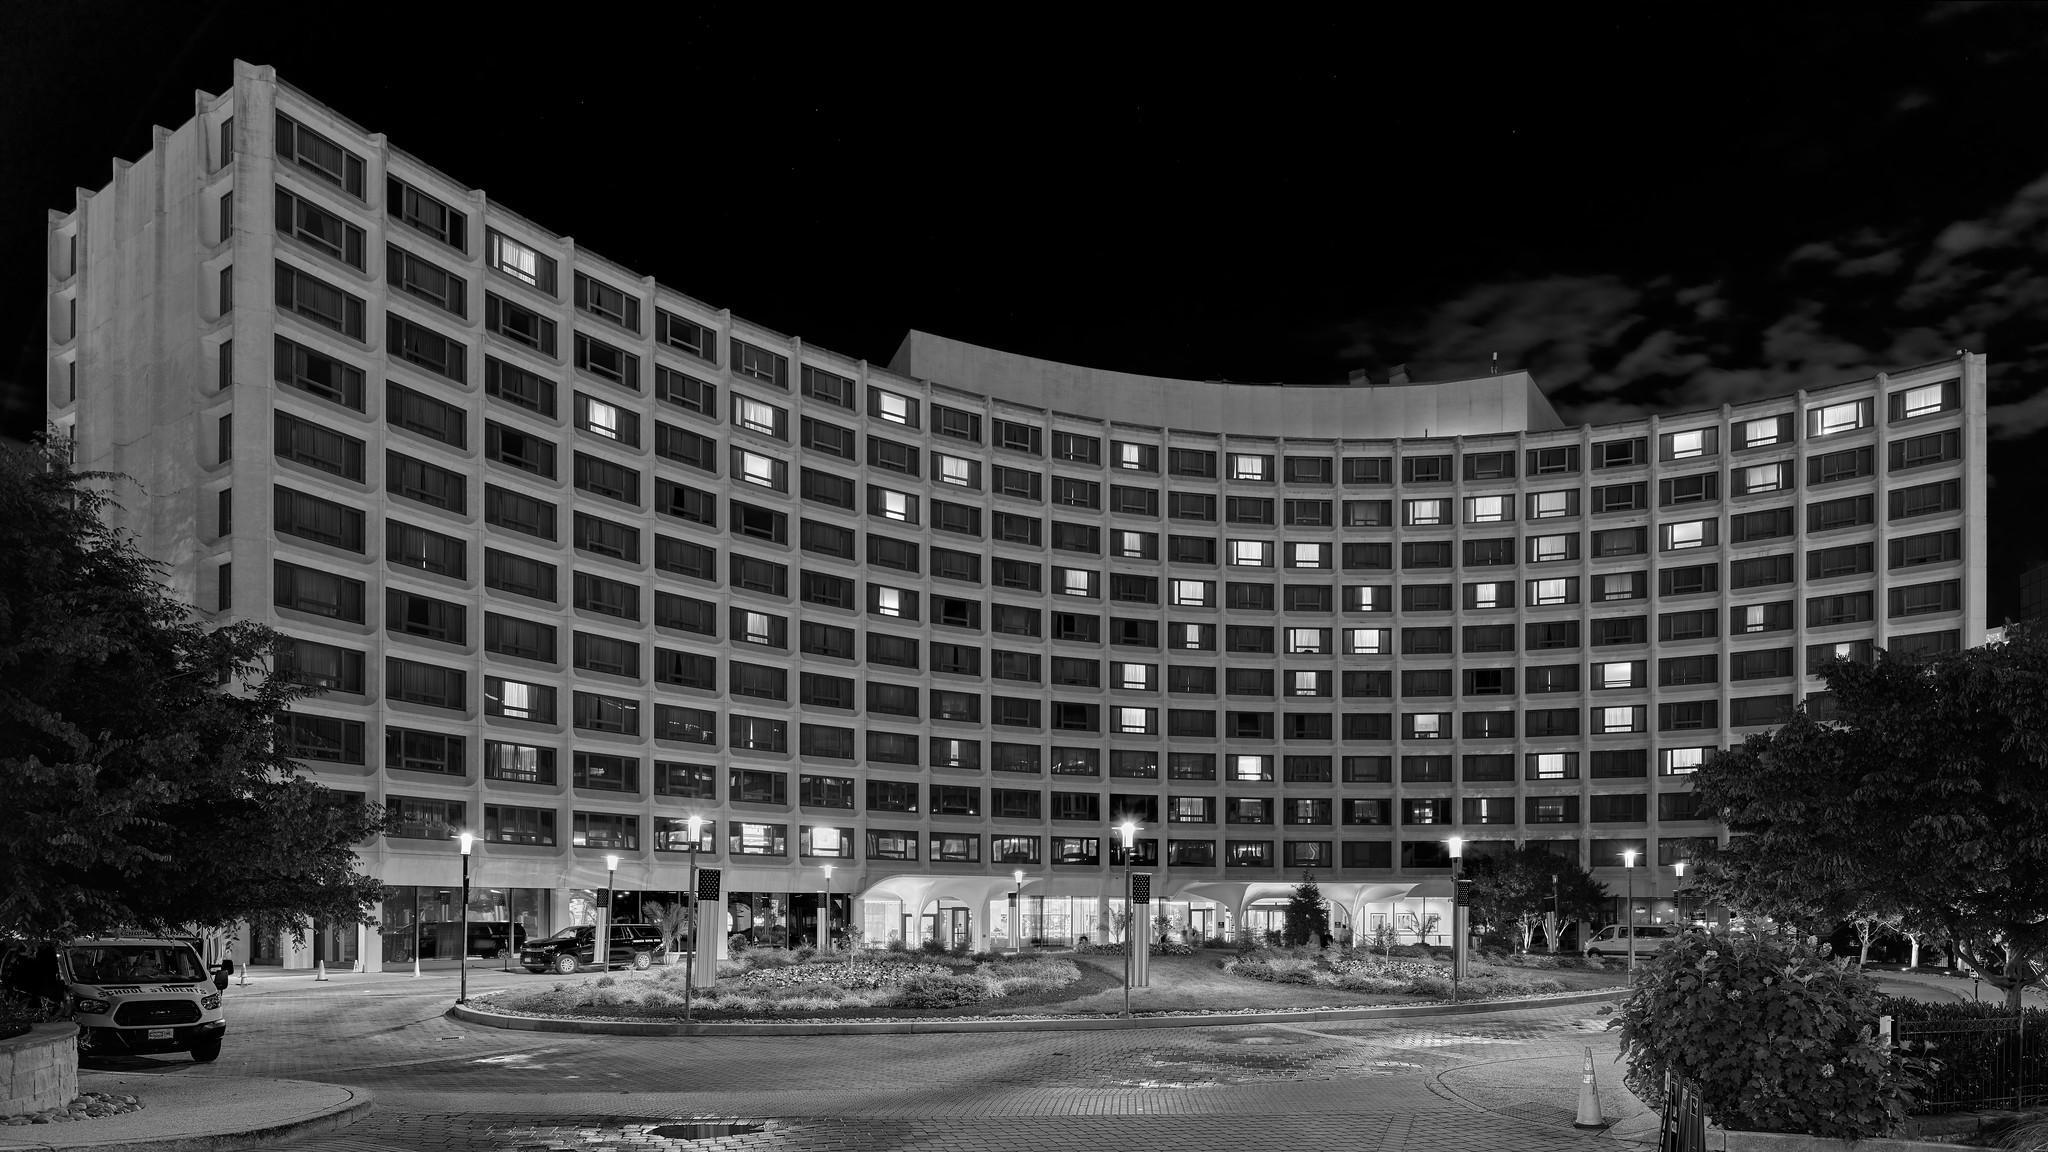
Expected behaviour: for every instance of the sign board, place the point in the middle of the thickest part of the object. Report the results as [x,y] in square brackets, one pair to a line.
[1141,887]
[707,883]
[1464,897]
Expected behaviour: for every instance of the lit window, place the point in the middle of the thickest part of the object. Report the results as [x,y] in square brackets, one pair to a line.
[1752,618]
[1545,549]
[516,260]
[1427,512]
[758,469]
[1550,766]
[1308,555]
[1686,445]
[1685,534]
[1367,598]
[1762,432]
[1548,505]
[1617,719]
[1191,593]
[1252,553]
[755,416]
[1135,677]
[755,628]
[1306,640]
[1763,478]
[1076,581]
[1550,591]
[1925,400]
[1249,768]
[602,419]
[894,505]
[1131,456]
[1124,542]
[1487,509]
[1366,641]
[959,471]
[1681,761]
[1620,674]
[1304,683]
[889,601]
[1830,419]
[1137,720]
[1426,725]
[1245,466]
[891,407]
[1490,595]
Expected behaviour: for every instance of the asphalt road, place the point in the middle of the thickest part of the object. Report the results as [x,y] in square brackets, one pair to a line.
[1502,1080]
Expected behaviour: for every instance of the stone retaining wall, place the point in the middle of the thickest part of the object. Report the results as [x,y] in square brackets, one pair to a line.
[39,1071]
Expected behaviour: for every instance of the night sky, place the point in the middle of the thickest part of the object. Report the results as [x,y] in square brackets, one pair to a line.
[1651,207]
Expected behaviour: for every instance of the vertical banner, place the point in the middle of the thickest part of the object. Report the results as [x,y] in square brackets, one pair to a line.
[710,927]
[1138,938]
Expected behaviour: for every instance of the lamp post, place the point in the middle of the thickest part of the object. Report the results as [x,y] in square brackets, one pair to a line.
[1017,913]
[601,950]
[467,839]
[1457,847]
[1677,897]
[1628,861]
[695,824]
[826,918]
[1128,830]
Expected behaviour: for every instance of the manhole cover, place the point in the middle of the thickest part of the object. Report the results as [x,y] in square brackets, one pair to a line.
[704,1130]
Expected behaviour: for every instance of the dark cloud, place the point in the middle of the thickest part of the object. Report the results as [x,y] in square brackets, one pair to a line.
[1835,309]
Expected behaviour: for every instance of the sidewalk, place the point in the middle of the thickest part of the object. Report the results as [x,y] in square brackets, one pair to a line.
[1545,1090]
[191,1113]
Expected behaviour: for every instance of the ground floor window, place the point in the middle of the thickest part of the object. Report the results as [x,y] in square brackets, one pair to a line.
[426,923]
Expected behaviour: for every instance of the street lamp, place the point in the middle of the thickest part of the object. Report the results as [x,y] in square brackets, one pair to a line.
[601,951]
[1677,894]
[826,919]
[1017,913]
[1128,830]
[695,824]
[467,839]
[1628,861]
[1457,847]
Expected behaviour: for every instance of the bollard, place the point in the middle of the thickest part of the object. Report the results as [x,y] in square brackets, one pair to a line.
[1589,1098]
[319,970]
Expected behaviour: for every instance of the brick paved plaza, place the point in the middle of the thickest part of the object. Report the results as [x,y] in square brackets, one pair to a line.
[1500,1080]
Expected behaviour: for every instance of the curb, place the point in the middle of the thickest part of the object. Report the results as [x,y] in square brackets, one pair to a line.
[1725,1140]
[996,1024]
[340,1115]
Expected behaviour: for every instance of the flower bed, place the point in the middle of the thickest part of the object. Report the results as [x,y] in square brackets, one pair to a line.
[1363,971]
[777,985]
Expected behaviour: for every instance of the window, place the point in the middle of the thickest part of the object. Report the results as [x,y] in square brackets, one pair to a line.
[1013,436]
[1621,498]
[1763,431]
[604,478]
[830,439]
[424,616]
[312,518]
[300,367]
[426,281]
[1561,460]
[764,471]
[1614,674]
[1620,542]
[1687,534]
[1076,447]
[1933,548]
[1552,549]
[519,261]
[416,818]
[1760,572]
[1251,466]
[1847,608]
[756,575]
[1557,590]
[1924,500]
[1691,444]
[313,299]
[1695,489]
[1833,419]
[1489,509]
[608,303]
[319,156]
[1192,462]
[1923,451]
[1923,599]
[1609,631]
[1424,513]
[1621,453]
[1622,718]
[606,538]
[603,360]
[1688,581]
[425,684]
[304,442]
[1368,513]
[759,416]
[1925,400]
[303,220]
[747,838]
[1490,466]
[1767,664]
[1763,478]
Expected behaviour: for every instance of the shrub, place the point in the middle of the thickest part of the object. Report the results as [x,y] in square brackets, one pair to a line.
[1779,1037]
[605,981]
[737,943]
[933,991]
[896,944]
[932,947]
[1964,1059]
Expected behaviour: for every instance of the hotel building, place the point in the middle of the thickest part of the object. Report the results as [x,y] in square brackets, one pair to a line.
[576,556]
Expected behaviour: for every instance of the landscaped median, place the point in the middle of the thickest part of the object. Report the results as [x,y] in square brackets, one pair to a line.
[774,992]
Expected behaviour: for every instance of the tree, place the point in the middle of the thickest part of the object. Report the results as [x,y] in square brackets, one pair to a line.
[144,788]
[1308,915]
[1923,789]
[1514,892]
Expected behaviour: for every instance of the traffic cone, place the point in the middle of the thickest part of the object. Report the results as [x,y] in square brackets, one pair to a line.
[320,971]
[1589,1098]
[416,975]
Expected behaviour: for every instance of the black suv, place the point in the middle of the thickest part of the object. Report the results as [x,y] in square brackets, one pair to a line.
[572,948]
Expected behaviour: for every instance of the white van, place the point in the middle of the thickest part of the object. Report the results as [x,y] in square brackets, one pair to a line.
[1613,939]
[128,996]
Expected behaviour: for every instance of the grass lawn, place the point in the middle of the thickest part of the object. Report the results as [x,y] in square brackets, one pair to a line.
[1178,984]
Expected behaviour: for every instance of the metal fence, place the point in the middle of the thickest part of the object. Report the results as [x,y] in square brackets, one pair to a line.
[1990,1063]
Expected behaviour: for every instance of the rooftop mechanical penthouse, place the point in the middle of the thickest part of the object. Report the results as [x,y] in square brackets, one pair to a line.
[577,557]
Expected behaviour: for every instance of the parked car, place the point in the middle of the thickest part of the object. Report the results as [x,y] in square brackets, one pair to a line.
[572,948]
[488,938]
[1613,939]
[128,996]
